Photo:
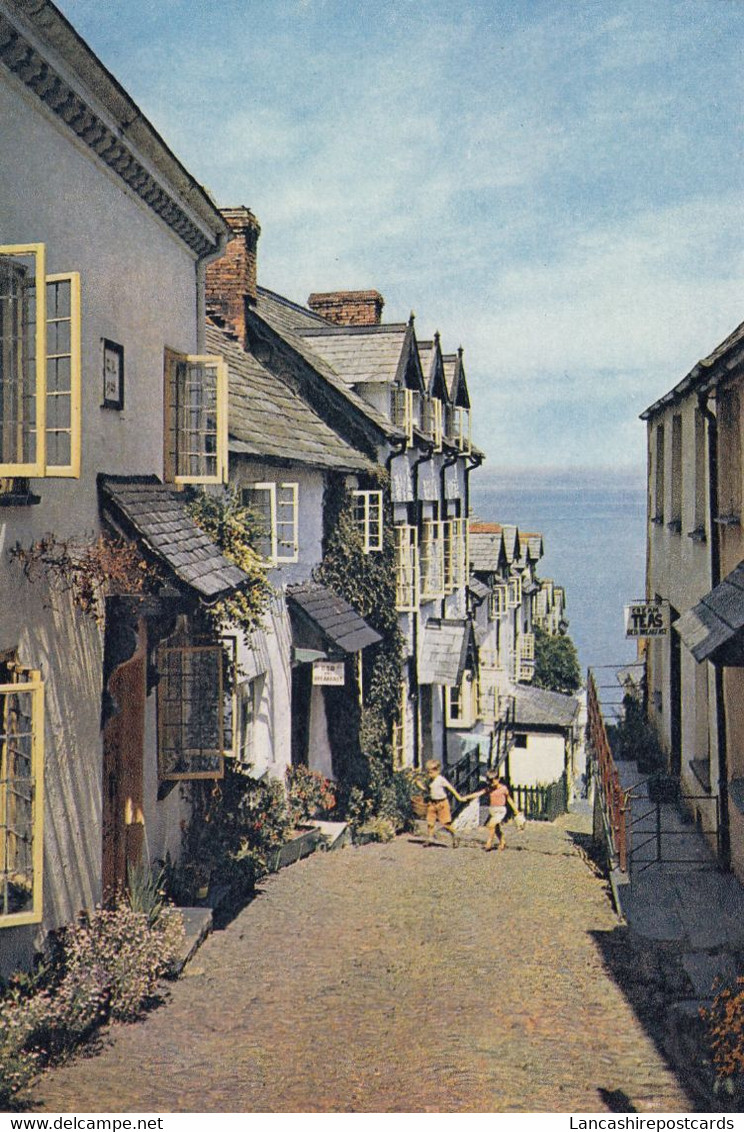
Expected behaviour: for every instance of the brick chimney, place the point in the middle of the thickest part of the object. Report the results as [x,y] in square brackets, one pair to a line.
[231,280]
[349,308]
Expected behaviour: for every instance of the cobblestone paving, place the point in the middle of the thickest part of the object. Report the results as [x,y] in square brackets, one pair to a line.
[393,978]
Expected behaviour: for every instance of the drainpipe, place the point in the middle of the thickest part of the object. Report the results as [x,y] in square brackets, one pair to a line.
[201,287]
[448,462]
[417,713]
[715,577]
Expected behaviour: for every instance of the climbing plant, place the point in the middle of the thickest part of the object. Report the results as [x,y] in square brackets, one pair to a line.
[360,736]
[235,529]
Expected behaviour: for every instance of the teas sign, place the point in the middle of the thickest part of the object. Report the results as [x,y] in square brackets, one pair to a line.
[328,673]
[647,619]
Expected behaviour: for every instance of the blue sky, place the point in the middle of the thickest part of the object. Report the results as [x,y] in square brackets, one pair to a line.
[555,186]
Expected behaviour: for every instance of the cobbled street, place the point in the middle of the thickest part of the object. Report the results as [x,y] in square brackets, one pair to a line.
[391,978]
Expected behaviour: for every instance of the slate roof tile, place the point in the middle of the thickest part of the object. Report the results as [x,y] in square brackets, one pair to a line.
[157,517]
[336,619]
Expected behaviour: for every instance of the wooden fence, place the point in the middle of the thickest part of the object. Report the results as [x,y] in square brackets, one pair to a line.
[612,797]
[544,802]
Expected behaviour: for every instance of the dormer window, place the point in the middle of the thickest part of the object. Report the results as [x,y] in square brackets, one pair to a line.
[433,421]
[403,410]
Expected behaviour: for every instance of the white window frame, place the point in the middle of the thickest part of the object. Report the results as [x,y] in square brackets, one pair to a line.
[462,430]
[498,601]
[172,426]
[514,599]
[456,570]
[400,731]
[431,558]
[25,681]
[402,410]
[407,568]
[461,702]
[278,524]
[368,519]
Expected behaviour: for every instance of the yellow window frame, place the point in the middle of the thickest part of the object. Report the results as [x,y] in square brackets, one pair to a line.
[29,682]
[37,466]
[172,360]
[461,702]
[407,571]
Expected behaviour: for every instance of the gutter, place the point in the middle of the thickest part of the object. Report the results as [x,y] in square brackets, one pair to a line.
[715,578]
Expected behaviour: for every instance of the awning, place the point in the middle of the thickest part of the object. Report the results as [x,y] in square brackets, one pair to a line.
[539,708]
[478,589]
[322,620]
[143,508]
[711,630]
[444,652]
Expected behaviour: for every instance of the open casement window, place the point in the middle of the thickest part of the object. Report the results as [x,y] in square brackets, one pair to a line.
[403,410]
[191,712]
[432,558]
[455,554]
[21,795]
[406,568]
[400,731]
[39,366]
[462,430]
[432,421]
[276,507]
[498,602]
[368,518]
[524,658]
[195,418]
[461,702]
[231,721]
[488,694]
[514,594]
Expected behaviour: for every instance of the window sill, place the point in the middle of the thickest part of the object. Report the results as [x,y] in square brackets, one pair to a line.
[19,499]
[657,520]
[675,526]
[698,535]
[728,520]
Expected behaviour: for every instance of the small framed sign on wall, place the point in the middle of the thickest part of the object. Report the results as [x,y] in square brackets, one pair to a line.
[113,375]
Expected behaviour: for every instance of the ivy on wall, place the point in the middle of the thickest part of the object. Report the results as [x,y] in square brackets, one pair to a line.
[235,530]
[360,736]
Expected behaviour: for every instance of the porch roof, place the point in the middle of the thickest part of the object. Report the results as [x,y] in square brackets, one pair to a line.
[444,652]
[711,630]
[478,589]
[537,707]
[332,617]
[144,508]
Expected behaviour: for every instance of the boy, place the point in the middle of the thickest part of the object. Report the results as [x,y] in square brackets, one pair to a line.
[437,803]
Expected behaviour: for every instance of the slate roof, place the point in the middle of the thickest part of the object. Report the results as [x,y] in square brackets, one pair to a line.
[454,376]
[486,546]
[479,589]
[156,516]
[337,620]
[267,419]
[536,707]
[534,544]
[277,313]
[444,651]
[360,354]
[700,374]
[715,622]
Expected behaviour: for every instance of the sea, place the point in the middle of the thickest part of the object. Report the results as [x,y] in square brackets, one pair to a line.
[593,525]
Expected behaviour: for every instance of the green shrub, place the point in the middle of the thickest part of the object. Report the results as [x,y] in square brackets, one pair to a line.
[377,829]
[309,794]
[107,965]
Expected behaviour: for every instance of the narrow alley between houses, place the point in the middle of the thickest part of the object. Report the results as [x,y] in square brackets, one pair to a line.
[397,977]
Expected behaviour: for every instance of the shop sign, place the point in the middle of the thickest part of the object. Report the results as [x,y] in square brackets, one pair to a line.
[647,619]
[328,673]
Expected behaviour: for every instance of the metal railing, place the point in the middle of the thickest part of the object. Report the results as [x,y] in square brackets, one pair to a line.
[613,798]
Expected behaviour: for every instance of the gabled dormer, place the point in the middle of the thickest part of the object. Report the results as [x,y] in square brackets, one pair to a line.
[436,402]
[457,426]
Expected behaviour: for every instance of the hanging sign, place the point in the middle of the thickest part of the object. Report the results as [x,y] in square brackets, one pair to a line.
[329,673]
[647,619]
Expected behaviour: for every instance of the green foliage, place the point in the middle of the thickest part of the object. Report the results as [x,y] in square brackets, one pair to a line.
[237,825]
[234,529]
[725,1022]
[360,738]
[145,892]
[634,738]
[309,794]
[107,965]
[556,663]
